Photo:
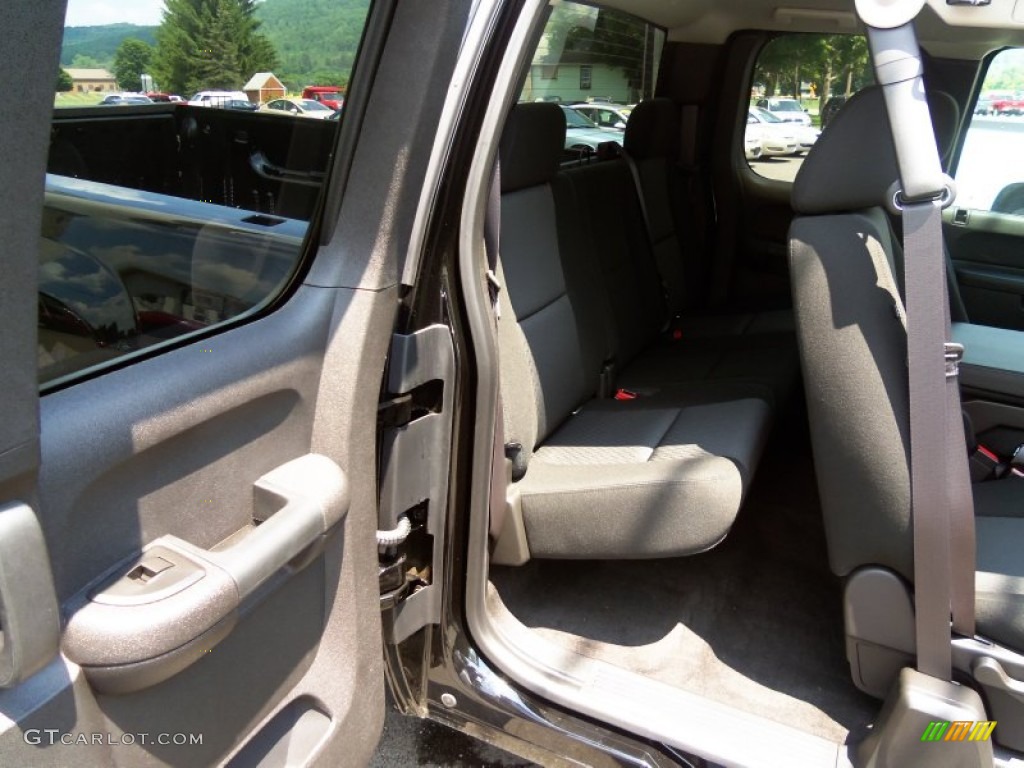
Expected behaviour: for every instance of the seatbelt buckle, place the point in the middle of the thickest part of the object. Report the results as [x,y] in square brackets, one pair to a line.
[606,380]
[626,394]
[986,465]
[954,355]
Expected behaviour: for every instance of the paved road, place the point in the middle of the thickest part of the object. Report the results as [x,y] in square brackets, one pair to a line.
[781,168]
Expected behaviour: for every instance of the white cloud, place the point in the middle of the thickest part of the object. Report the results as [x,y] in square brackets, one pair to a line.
[88,13]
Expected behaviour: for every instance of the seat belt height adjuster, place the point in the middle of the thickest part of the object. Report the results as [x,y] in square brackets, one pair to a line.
[954,355]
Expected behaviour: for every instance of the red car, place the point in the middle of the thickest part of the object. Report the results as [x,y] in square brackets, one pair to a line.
[331,96]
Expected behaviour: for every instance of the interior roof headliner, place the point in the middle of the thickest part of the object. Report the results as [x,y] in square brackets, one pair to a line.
[712,21]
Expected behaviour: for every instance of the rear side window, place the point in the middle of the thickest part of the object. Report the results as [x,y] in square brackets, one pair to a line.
[800,82]
[990,173]
[597,63]
[176,200]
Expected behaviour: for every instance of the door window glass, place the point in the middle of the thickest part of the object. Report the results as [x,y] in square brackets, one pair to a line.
[990,173]
[166,215]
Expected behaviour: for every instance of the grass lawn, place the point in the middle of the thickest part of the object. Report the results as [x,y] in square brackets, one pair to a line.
[72,99]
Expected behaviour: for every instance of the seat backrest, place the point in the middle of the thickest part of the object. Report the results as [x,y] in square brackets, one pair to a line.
[852,338]
[618,254]
[652,139]
[549,363]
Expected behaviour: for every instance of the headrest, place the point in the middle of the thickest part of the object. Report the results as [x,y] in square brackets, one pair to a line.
[531,145]
[853,163]
[653,129]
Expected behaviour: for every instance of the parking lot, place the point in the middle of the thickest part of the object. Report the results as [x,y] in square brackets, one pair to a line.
[780,168]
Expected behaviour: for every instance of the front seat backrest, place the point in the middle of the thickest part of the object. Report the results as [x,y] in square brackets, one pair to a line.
[852,338]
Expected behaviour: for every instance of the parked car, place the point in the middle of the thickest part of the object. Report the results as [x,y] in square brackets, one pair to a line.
[787,110]
[582,134]
[163,97]
[331,96]
[1007,105]
[240,105]
[124,99]
[777,138]
[216,98]
[604,115]
[804,135]
[299,108]
[753,139]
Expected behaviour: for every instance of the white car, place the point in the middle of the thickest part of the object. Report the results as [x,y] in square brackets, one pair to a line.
[752,138]
[777,138]
[216,98]
[299,108]
[787,110]
[805,135]
[612,116]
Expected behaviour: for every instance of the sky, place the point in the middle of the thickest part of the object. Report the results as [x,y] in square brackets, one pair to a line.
[87,13]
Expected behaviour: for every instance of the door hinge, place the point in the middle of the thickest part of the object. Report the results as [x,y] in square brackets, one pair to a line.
[415,419]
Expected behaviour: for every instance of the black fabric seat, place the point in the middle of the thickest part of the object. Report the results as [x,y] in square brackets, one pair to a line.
[639,269]
[852,341]
[656,476]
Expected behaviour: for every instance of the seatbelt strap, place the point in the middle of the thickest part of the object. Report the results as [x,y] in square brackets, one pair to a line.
[942,507]
[634,172]
[492,233]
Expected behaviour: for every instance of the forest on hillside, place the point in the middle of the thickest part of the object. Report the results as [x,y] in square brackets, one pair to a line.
[315,40]
[96,46]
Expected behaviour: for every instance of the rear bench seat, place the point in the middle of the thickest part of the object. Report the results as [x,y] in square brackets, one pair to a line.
[652,148]
[643,299]
[657,476]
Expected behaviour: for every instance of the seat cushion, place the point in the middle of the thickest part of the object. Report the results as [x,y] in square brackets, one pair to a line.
[641,480]
[999,584]
[774,368]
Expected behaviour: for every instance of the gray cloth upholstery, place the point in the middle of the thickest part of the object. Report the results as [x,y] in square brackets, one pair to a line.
[531,145]
[852,339]
[658,476]
[999,583]
[852,164]
[624,480]
[853,351]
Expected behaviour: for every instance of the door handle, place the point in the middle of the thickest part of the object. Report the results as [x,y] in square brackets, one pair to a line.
[29,621]
[176,601]
[264,168]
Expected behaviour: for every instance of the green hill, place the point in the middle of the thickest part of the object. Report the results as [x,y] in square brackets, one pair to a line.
[316,40]
[100,43]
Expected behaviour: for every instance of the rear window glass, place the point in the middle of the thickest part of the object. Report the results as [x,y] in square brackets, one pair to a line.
[597,63]
[800,82]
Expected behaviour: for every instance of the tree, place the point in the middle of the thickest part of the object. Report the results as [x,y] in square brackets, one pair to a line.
[82,61]
[64,81]
[205,44]
[131,61]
